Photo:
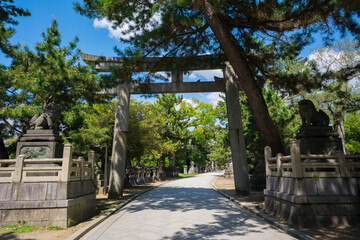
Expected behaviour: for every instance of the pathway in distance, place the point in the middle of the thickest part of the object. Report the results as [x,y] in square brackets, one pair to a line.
[184,209]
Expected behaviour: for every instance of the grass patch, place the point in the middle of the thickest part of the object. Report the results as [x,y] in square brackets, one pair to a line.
[105,207]
[181,175]
[5,230]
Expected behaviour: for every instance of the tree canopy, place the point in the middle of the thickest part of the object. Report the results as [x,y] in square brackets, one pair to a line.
[256,36]
[8,14]
[50,73]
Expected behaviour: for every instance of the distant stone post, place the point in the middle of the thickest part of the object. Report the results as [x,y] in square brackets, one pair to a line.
[67,157]
[91,159]
[267,154]
[18,168]
[296,159]
[119,142]
[237,141]
[278,164]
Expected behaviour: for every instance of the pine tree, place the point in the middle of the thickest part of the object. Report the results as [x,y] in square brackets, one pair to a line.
[254,35]
[8,12]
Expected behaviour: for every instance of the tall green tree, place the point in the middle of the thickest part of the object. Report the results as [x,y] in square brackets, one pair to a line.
[352,132]
[339,67]
[8,14]
[49,73]
[53,73]
[146,140]
[254,35]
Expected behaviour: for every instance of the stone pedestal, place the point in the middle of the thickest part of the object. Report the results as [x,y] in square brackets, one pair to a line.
[229,171]
[319,140]
[38,144]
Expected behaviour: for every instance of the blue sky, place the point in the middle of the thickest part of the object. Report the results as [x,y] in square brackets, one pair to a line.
[94,37]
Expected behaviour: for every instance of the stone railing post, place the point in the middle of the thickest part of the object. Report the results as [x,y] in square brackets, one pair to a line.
[82,161]
[278,164]
[267,155]
[18,168]
[91,158]
[296,159]
[66,164]
[344,171]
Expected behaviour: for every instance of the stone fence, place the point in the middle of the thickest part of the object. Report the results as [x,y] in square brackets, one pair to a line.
[313,189]
[304,166]
[52,192]
[47,170]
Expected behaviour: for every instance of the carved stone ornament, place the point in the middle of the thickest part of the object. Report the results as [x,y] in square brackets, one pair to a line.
[48,119]
[310,116]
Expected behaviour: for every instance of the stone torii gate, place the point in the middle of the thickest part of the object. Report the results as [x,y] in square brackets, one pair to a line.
[229,84]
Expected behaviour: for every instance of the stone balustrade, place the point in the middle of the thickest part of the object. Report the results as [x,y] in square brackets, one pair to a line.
[47,170]
[304,166]
[51,192]
[315,189]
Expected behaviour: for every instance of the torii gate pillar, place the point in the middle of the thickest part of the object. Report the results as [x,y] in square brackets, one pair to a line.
[237,142]
[120,141]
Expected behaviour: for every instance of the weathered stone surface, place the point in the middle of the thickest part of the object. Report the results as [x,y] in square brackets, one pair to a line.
[56,190]
[47,212]
[334,199]
[287,185]
[305,186]
[54,149]
[335,186]
[80,188]
[6,190]
[32,191]
[313,214]
[274,183]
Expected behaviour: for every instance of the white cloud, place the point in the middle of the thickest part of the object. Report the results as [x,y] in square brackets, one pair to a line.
[328,59]
[210,74]
[191,102]
[213,98]
[105,23]
[121,31]
[193,76]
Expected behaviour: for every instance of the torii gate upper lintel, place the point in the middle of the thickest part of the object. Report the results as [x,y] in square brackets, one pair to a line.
[229,84]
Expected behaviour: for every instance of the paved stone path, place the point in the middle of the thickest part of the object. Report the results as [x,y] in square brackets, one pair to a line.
[184,209]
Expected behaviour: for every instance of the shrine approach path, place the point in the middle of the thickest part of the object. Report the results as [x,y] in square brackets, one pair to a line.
[184,209]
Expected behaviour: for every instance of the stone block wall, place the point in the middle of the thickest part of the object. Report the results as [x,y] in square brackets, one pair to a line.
[50,192]
[46,203]
[311,201]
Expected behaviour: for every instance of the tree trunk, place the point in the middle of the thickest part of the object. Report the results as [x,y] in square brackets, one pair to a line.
[339,113]
[237,57]
[3,152]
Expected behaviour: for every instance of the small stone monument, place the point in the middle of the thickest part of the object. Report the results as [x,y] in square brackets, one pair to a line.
[43,139]
[192,168]
[185,169]
[229,170]
[315,134]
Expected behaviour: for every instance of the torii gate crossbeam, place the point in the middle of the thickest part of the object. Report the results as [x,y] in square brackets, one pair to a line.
[229,84]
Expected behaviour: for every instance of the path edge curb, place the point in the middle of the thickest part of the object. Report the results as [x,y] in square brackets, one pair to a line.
[289,230]
[84,230]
